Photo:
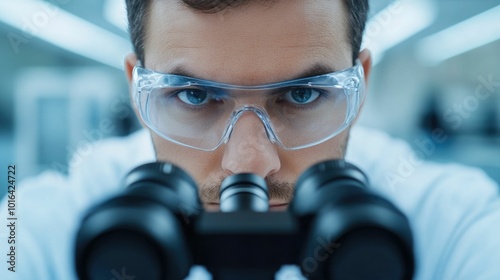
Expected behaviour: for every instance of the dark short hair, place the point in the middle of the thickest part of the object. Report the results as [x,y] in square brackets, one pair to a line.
[137,11]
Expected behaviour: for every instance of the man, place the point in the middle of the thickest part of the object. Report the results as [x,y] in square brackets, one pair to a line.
[201,65]
[251,43]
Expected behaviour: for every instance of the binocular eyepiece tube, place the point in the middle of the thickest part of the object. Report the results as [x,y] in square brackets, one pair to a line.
[244,192]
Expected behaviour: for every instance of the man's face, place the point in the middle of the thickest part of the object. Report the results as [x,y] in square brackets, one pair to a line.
[251,44]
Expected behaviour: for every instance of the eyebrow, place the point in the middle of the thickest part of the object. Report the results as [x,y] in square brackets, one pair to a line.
[315,70]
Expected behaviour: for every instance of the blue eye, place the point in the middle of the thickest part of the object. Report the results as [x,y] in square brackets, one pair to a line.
[193,96]
[301,95]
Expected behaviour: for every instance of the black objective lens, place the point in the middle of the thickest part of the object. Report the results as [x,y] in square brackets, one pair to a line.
[356,233]
[244,192]
[139,233]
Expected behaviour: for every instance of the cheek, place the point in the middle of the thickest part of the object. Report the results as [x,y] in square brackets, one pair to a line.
[298,161]
[198,164]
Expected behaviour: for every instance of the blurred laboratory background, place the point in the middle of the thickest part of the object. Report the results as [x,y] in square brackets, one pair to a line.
[435,81]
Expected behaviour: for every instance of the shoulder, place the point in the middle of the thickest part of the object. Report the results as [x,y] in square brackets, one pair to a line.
[400,173]
[454,210]
[99,173]
[92,173]
[51,204]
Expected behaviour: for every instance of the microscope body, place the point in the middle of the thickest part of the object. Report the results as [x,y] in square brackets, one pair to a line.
[335,228]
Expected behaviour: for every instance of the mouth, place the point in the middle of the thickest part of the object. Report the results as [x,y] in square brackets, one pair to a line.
[213,206]
[278,207]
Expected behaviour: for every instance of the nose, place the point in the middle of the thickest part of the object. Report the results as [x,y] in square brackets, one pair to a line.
[249,150]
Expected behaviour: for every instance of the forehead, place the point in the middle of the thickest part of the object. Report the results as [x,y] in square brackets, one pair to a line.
[254,43]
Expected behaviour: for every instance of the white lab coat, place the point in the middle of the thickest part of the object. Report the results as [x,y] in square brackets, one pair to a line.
[454,211]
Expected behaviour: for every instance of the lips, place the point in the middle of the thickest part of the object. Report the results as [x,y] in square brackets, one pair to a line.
[278,207]
[213,206]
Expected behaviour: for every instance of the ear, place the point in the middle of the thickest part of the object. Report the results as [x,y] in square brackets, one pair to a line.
[130,62]
[366,61]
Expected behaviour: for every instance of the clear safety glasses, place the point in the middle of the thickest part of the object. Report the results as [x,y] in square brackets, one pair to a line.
[201,114]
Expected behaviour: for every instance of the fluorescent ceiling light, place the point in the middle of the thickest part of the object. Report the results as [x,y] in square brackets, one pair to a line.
[50,23]
[115,12]
[464,36]
[396,23]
